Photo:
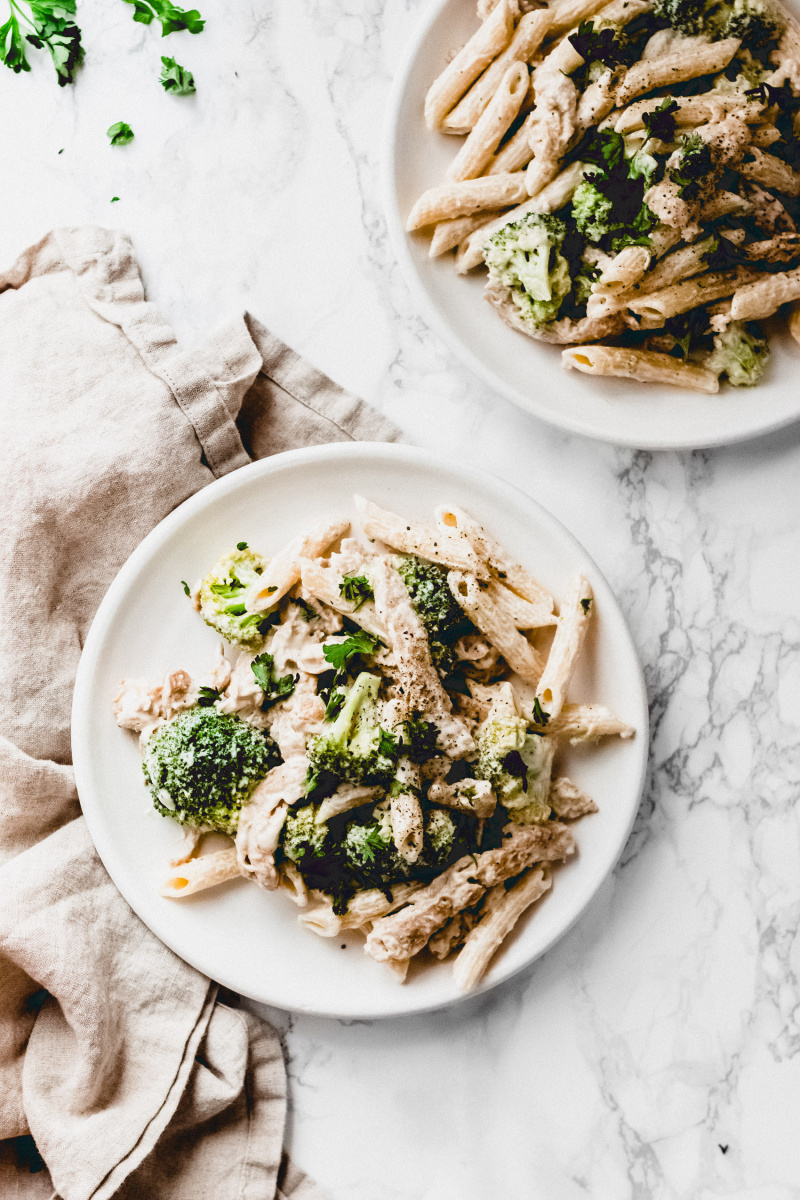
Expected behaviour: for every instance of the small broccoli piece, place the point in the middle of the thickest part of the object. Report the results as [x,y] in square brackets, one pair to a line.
[749,20]
[355,748]
[301,837]
[372,858]
[692,165]
[524,257]
[439,837]
[741,353]
[433,602]
[593,212]
[684,15]
[517,764]
[202,766]
[222,595]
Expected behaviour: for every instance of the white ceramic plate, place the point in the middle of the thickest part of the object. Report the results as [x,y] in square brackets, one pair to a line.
[527,372]
[244,937]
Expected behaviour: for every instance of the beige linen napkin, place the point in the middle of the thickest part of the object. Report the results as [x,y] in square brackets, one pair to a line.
[119,1065]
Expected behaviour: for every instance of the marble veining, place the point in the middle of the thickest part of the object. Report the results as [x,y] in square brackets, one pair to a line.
[654,1053]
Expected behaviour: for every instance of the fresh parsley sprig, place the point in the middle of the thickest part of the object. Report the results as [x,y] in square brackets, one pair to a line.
[660,123]
[356,589]
[178,81]
[171,18]
[120,134]
[45,24]
[339,654]
[263,668]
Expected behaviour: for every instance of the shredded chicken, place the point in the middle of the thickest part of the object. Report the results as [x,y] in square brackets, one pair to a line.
[262,818]
[473,796]
[143,709]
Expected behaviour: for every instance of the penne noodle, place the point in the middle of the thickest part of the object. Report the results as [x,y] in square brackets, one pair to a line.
[448,234]
[516,153]
[323,584]
[648,366]
[527,38]
[578,723]
[364,907]
[624,270]
[771,172]
[292,882]
[656,307]
[551,198]
[466,197]
[681,264]
[484,46]
[283,571]
[398,969]
[576,613]
[347,796]
[691,110]
[570,13]
[412,537]
[524,614]
[492,125]
[765,295]
[568,802]
[499,914]
[505,569]
[675,68]
[495,622]
[201,873]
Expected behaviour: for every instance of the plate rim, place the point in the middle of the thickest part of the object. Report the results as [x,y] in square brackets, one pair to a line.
[398,239]
[355,451]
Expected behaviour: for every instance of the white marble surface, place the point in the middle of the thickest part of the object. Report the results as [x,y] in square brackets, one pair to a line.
[666,1026]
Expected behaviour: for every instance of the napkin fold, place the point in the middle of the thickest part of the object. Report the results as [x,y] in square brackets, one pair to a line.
[122,1072]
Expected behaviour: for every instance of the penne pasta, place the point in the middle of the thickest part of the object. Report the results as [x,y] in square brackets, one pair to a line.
[674,68]
[501,910]
[492,125]
[577,723]
[198,874]
[568,802]
[411,537]
[484,46]
[517,151]
[793,320]
[771,172]
[501,564]
[528,36]
[448,234]
[576,613]
[466,197]
[647,366]
[656,307]
[498,626]
[765,294]
[283,570]
[570,13]
[322,583]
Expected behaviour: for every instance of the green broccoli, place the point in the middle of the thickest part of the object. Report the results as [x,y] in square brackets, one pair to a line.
[222,595]
[373,860]
[355,749]
[442,616]
[524,257]
[593,212]
[741,353]
[582,282]
[517,764]
[202,766]
[610,199]
[750,20]
[691,166]
[301,836]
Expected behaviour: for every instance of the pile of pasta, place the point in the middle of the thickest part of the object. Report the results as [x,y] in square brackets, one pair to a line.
[518,659]
[526,103]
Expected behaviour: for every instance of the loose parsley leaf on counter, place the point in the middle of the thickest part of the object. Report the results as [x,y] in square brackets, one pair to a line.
[178,81]
[172,19]
[45,24]
[120,134]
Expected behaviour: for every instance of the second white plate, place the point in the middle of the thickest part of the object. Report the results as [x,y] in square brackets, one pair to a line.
[527,372]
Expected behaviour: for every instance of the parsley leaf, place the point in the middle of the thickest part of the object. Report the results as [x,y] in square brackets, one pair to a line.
[540,717]
[387,744]
[239,545]
[585,605]
[176,80]
[45,24]
[660,123]
[334,705]
[515,765]
[421,737]
[308,610]
[357,589]
[186,588]
[338,654]
[602,47]
[120,134]
[171,18]
[208,697]
[274,689]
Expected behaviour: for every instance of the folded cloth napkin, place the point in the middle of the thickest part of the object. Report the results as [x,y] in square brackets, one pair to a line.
[121,1071]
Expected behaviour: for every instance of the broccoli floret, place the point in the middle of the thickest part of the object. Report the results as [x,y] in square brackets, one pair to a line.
[301,837]
[439,838]
[692,164]
[750,20]
[517,764]
[593,212]
[524,257]
[355,748]
[202,766]
[439,612]
[583,280]
[610,199]
[684,15]
[741,353]
[372,858]
[222,595]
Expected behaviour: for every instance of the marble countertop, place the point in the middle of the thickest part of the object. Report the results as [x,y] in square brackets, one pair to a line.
[655,1052]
